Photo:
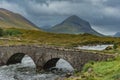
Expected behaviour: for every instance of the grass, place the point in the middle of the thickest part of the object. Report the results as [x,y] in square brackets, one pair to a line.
[106,70]
[66,40]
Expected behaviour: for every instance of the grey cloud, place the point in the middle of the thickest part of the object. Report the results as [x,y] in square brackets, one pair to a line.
[101,13]
[114,3]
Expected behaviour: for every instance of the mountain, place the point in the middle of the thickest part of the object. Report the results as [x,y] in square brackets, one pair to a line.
[117,34]
[10,19]
[74,25]
[46,27]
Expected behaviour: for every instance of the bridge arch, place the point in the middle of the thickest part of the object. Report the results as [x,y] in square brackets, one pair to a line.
[53,63]
[50,63]
[17,58]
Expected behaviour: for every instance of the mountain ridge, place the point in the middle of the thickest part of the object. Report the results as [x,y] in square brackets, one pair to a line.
[9,19]
[117,34]
[74,25]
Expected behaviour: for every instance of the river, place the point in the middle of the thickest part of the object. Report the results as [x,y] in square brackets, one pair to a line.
[94,47]
[26,71]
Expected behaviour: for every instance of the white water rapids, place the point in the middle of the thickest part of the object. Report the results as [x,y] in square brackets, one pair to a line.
[96,47]
[26,71]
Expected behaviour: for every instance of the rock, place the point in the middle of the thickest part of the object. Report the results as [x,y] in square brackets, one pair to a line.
[61,78]
[1,62]
[90,70]
[109,48]
[54,70]
[68,75]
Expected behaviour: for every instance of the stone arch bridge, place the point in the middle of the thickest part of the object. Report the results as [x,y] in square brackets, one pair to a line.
[45,58]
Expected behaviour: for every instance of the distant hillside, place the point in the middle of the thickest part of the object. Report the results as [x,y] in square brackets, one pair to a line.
[74,25]
[9,19]
[117,34]
[46,27]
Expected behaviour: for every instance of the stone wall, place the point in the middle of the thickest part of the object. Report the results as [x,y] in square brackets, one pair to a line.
[41,55]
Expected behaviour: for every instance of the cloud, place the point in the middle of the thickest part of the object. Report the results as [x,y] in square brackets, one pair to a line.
[101,13]
[111,11]
[12,7]
[49,8]
[104,30]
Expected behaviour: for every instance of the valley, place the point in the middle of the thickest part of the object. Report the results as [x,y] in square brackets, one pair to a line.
[73,32]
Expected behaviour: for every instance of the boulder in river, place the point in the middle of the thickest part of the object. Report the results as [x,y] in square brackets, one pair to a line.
[109,48]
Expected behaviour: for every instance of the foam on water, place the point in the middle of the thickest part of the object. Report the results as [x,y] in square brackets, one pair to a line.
[66,67]
[96,47]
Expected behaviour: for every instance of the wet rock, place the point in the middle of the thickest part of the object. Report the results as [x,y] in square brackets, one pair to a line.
[109,48]
[54,70]
[60,78]
[68,75]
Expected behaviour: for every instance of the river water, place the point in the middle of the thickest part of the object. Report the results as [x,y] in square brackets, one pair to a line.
[26,71]
[96,47]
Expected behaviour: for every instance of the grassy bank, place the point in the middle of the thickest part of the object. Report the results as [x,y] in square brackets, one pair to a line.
[106,70]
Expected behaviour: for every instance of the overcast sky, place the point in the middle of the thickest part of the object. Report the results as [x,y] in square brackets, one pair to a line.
[103,15]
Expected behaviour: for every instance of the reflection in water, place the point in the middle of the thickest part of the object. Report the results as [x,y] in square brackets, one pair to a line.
[26,71]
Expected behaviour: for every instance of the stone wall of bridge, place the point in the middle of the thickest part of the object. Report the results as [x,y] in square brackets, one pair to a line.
[41,55]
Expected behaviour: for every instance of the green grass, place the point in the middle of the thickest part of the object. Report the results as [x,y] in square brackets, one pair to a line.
[11,32]
[106,70]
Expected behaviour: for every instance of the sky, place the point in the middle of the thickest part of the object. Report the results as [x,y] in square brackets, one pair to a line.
[103,15]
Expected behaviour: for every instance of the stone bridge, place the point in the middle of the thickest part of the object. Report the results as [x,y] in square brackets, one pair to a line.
[45,58]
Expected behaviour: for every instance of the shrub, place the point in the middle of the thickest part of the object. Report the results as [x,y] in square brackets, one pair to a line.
[12,32]
[88,66]
[1,32]
[116,76]
[115,46]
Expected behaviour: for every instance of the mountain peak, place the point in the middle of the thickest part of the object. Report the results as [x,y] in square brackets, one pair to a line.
[75,20]
[74,25]
[74,17]
[117,34]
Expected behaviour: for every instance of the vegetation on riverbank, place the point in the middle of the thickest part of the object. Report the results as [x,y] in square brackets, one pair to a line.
[106,70]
